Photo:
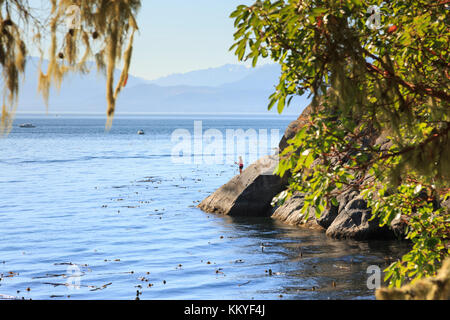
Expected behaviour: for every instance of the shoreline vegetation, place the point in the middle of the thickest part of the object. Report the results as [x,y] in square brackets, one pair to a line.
[368,159]
[252,194]
[373,153]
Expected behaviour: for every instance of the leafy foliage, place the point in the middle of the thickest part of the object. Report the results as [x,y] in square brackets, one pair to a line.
[381,109]
[101,32]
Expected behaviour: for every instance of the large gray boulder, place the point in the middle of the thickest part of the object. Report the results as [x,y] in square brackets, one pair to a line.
[328,217]
[349,220]
[354,222]
[249,194]
[290,213]
[294,127]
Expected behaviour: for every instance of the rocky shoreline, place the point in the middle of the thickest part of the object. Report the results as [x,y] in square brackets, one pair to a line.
[251,193]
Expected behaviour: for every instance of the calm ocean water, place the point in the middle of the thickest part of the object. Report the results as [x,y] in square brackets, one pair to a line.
[89,214]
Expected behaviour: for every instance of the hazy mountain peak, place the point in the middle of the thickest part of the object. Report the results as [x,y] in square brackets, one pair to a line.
[213,77]
[225,89]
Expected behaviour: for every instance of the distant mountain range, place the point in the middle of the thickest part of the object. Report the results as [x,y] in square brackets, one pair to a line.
[226,89]
[212,77]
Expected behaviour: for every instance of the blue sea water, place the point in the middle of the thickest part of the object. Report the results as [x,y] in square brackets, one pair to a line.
[90,214]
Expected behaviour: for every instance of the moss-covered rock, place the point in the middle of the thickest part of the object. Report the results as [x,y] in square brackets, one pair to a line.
[436,288]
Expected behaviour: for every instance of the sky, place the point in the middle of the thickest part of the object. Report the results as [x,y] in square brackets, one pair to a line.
[178,36]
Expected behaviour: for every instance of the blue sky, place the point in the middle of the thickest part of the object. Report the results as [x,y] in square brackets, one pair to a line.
[178,36]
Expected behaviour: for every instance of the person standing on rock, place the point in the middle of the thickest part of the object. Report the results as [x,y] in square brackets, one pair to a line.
[241,165]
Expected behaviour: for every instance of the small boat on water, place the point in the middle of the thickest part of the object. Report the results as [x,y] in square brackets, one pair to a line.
[27,125]
[141,132]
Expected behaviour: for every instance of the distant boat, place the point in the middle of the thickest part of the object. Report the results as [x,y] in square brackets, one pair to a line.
[27,125]
[141,132]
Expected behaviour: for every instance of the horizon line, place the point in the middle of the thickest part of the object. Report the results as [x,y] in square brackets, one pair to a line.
[53,114]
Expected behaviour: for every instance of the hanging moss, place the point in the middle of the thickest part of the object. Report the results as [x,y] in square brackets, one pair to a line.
[111,24]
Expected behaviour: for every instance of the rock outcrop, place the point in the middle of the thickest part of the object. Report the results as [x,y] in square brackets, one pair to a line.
[437,288]
[249,194]
[290,213]
[295,127]
[327,218]
[354,222]
[349,220]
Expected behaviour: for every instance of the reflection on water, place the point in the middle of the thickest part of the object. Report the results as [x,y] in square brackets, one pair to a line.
[312,265]
[111,211]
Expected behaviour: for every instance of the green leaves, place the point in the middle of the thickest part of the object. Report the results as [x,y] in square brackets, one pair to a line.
[379,123]
[316,12]
[428,229]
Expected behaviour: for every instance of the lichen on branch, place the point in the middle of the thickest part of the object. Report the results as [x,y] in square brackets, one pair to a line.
[70,34]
